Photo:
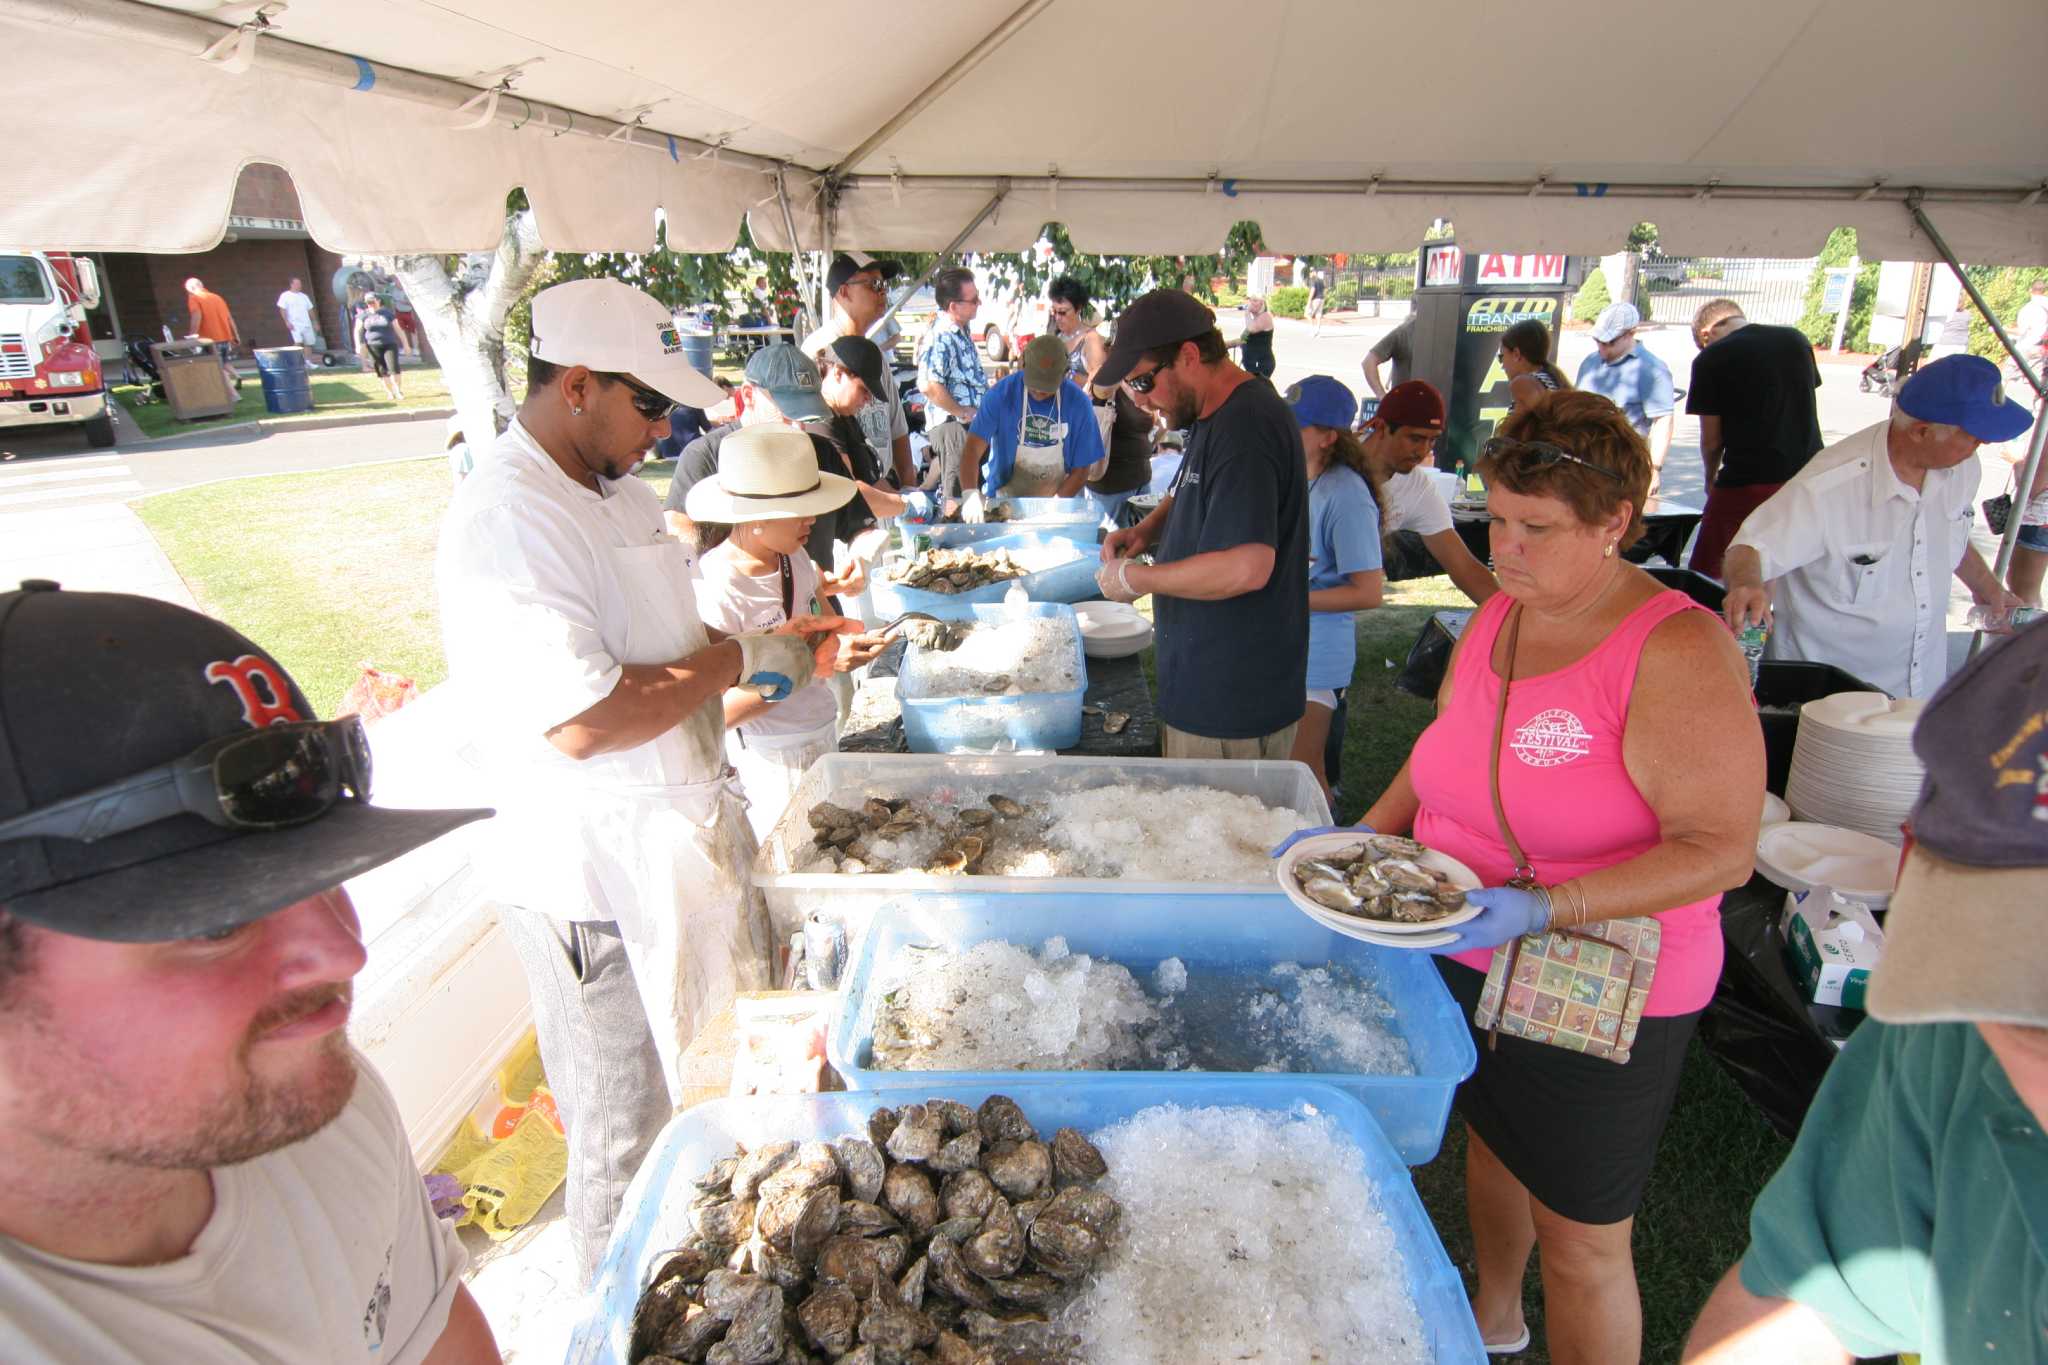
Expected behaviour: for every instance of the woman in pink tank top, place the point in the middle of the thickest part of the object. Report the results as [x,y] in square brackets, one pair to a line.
[1632,776]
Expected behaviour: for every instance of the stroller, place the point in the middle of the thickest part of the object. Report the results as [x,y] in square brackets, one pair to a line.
[1891,369]
[140,370]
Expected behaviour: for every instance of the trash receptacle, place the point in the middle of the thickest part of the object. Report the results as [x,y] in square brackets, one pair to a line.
[195,386]
[697,349]
[286,386]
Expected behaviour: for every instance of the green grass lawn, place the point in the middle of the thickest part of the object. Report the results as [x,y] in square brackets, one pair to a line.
[336,393]
[328,569]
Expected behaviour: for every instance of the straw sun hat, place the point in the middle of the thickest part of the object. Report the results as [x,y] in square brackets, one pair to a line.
[765,473]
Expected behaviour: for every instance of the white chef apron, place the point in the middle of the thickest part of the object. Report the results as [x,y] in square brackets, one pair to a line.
[771,766]
[1041,461]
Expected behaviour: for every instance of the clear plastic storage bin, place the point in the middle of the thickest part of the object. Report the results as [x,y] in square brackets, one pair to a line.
[655,1216]
[977,724]
[1073,518]
[850,778]
[1215,932]
[1073,581]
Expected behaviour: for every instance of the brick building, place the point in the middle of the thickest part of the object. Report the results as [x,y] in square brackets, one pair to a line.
[266,244]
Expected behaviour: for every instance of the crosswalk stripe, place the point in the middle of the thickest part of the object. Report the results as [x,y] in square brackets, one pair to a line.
[69,462]
[10,479]
[59,494]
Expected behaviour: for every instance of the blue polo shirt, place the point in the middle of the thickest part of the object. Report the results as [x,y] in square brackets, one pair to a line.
[1343,539]
[1638,383]
[1912,1214]
[1009,405]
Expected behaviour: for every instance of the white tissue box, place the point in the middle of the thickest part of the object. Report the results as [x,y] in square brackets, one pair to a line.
[1834,943]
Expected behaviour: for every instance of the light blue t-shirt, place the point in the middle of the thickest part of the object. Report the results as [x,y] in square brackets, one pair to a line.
[1002,413]
[1638,383]
[1343,539]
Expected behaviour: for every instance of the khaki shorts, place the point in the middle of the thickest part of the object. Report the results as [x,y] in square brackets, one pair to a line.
[1180,744]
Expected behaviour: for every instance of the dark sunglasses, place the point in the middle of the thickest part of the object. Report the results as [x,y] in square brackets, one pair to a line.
[273,778]
[1142,383]
[649,404]
[1539,455]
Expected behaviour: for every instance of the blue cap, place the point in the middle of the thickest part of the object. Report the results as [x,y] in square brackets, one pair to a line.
[1964,391]
[791,380]
[1320,401]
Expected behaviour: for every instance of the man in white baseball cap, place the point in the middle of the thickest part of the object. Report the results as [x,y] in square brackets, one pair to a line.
[594,690]
[1633,380]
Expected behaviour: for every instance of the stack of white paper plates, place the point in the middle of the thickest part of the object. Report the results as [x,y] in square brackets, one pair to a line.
[1111,630]
[1803,857]
[1853,764]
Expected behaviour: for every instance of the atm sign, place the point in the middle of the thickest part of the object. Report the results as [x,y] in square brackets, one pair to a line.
[1521,269]
[1442,265]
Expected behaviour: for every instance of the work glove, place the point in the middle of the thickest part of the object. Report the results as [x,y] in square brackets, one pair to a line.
[1291,840]
[1506,913]
[920,506]
[775,666]
[1113,581]
[971,509]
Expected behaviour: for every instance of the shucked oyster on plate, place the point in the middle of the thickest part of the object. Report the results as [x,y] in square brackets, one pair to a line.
[1381,877]
[951,571]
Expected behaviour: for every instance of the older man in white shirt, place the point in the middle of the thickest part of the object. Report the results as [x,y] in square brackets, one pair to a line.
[595,691]
[1849,562]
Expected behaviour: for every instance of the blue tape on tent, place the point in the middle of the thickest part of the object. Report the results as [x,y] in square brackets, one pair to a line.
[673,155]
[1594,191]
[366,75]
[1230,189]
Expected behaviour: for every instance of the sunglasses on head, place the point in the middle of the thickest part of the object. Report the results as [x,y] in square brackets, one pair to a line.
[649,404]
[273,778]
[1539,455]
[1142,383]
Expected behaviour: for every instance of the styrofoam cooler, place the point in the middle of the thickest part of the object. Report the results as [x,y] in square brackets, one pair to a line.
[1073,581]
[654,1219]
[792,894]
[1074,518]
[1213,933]
[1029,720]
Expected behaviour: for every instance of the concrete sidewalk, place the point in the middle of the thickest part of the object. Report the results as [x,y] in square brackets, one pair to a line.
[100,548]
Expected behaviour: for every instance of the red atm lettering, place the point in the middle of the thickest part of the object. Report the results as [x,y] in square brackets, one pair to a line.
[1521,268]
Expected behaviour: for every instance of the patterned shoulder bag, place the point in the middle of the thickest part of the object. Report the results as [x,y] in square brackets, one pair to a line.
[1581,988]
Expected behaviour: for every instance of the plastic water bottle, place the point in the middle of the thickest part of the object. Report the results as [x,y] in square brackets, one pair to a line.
[1751,637]
[1989,618]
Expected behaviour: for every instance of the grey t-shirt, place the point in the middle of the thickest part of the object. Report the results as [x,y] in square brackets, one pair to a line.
[1399,347]
[881,421]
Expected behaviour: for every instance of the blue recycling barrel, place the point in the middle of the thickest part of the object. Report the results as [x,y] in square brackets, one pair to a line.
[697,348]
[284,374]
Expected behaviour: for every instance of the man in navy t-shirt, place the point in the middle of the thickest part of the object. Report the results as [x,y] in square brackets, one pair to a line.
[1230,582]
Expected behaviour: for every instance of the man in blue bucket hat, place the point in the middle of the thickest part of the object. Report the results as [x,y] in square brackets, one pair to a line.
[1848,564]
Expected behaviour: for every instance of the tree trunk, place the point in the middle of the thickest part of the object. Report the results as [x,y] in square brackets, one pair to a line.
[464,313]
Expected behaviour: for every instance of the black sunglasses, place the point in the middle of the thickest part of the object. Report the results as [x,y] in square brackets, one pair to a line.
[1142,383]
[272,778]
[1539,455]
[649,404]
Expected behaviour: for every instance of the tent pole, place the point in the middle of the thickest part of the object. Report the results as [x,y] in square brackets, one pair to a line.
[2009,542]
[796,257]
[955,70]
[1003,189]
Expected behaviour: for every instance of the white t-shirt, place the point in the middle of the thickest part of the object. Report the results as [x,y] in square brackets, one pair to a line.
[2032,324]
[1860,564]
[739,603]
[297,307]
[327,1250]
[1411,502]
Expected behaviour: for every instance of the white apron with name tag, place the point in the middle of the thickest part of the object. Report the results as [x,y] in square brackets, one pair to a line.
[1041,454]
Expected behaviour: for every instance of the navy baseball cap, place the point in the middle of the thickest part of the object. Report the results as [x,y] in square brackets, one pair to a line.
[1159,318]
[1963,937]
[1320,401]
[97,687]
[791,380]
[1964,391]
[847,264]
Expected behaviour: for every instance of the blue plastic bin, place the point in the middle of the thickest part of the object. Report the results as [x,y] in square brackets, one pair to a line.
[978,725]
[1074,518]
[286,387]
[699,349]
[655,1215]
[1204,932]
[1070,582]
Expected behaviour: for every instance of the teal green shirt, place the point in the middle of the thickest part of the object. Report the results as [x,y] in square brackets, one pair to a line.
[1912,1213]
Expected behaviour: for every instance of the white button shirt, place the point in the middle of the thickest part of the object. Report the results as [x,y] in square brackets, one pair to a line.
[1860,563]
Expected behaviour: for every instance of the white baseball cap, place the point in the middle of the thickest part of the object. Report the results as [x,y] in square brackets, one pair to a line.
[1615,319]
[613,328]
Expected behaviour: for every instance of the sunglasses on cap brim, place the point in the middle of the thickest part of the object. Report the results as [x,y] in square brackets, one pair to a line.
[267,779]
[1539,455]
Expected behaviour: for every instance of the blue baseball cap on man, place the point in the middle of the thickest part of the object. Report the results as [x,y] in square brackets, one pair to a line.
[1964,391]
[1320,401]
[791,381]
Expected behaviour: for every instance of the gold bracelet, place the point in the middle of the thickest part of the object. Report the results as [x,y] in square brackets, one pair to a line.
[1566,895]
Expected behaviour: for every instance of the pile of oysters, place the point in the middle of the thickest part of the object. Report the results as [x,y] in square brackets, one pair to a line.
[955,571]
[944,1236]
[965,837]
[1382,878]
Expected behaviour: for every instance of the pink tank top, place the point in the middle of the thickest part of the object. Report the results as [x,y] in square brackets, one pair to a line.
[1567,794]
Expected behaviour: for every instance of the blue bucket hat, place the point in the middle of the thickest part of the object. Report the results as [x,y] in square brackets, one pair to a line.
[1320,401]
[1964,391]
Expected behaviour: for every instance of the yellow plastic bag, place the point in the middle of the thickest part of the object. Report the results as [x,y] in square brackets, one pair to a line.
[509,1152]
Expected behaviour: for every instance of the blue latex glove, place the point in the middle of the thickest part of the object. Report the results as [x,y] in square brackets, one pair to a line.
[1291,840]
[1507,913]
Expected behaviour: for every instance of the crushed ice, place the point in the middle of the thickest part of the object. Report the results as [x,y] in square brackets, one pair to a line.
[1030,654]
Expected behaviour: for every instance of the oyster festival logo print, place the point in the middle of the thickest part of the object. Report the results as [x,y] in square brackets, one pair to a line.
[1550,738]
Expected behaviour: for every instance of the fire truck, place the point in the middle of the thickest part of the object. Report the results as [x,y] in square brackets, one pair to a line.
[49,373]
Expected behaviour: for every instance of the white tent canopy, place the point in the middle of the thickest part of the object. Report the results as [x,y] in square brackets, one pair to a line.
[1748,128]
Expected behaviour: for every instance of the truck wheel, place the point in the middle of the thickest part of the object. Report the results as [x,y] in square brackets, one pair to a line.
[996,344]
[99,431]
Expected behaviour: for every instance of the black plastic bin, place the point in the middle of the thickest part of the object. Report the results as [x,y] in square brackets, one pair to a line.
[1706,591]
[1781,689]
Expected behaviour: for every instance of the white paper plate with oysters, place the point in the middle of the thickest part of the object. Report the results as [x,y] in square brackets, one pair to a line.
[1378,888]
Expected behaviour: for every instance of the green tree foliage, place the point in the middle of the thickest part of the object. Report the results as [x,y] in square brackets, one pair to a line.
[1289,301]
[1592,296]
[2005,289]
[1819,326]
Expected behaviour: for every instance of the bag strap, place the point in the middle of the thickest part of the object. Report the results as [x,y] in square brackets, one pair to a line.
[1525,875]
[788,591]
